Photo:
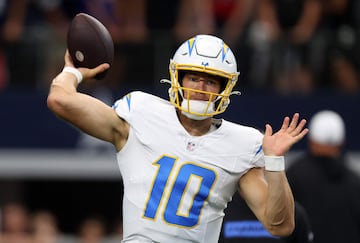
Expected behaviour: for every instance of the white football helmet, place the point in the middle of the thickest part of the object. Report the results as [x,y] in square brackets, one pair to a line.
[209,54]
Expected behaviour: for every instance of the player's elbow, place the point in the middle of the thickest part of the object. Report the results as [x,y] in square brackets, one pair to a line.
[282,230]
[53,102]
[56,101]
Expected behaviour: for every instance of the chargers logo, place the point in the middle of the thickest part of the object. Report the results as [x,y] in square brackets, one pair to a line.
[191,44]
[128,101]
[225,49]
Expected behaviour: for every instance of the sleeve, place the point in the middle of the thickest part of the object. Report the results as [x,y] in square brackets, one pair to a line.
[258,159]
[125,106]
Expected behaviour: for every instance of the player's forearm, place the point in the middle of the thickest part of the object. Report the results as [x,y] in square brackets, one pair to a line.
[279,212]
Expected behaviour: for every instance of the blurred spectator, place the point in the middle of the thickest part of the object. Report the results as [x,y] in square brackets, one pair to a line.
[294,20]
[29,29]
[92,230]
[12,16]
[335,57]
[337,13]
[126,20]
[44,228]
[343,75]
[232,18]
[323,184]
[15,224]
[282,35]
[133,25]
[194,17]
[227,19]
[116,235]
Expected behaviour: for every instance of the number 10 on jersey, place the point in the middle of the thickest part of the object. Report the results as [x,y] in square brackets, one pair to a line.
[179,191]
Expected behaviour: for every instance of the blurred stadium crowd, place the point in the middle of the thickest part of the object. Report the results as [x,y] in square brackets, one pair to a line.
[287,48]
[291,47]
[41,226]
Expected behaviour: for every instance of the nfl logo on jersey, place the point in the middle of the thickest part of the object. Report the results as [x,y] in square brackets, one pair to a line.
[190,146]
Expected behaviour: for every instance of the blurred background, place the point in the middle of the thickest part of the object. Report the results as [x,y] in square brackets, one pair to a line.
[293,56]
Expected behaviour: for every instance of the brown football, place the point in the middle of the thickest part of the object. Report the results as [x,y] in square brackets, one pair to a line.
[89,43]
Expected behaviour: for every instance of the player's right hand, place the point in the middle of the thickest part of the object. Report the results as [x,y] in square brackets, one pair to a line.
[87,73]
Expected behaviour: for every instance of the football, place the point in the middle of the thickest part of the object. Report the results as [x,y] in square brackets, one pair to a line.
[89,43]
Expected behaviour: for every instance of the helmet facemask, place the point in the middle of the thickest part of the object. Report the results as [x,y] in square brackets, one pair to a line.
[199,109]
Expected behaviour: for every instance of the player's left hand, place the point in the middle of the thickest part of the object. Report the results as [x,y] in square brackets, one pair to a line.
[291,132]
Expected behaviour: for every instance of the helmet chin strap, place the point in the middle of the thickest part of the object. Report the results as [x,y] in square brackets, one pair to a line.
[197,106]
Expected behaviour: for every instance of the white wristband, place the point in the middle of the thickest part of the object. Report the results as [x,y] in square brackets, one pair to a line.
[74,71]
[274,163]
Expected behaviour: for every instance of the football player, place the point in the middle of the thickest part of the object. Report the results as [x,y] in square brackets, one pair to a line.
[180,165]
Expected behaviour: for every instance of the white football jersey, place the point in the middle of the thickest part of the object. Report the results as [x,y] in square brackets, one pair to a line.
[176,186]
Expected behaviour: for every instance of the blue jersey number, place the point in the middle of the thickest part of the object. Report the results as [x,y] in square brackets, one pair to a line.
[185,175]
